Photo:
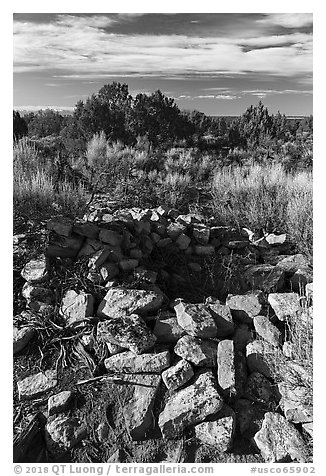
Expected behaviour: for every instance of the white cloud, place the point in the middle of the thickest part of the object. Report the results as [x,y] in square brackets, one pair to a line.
[288,20]
[80,46]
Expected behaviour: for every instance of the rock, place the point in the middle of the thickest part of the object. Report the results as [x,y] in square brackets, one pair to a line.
[138,414]
[89,230]
[35,385]
[290,264]
[121,301]
[221,314]
[195,320]
[261,356]
[104,254]
[201,250]
[167,330]
[104,274]
[294,403]
[36,293]
[226,368]
[278,439]
[219,430]
[61,225]
[111,237]
[288,349]
[36,270]
[59,402]
[65,247]
[164,242]
[128,362]
[300,279]
[174,230]
[244,307]
[242,336]
[285,305]
[273,239]
[136,254]
[21,337]
[200,352]
[130,332]
[177,375]
[146,275]
[259,389]
[201,233]
[183,241]
[190,405]
[309,293]
[264,277]
[128,264]
[89,248]
[63,433]
[308,427]
[267,330]
[76,307]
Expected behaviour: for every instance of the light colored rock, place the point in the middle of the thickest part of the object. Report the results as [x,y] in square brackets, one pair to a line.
[121,301]
[201,233]
[267,330]
[174,230]
[21,337]
[309,293]
[195,320]
[294,403]
[177,375]
[36,270]
[219,431]
[221,314]
[35,385]
[190,405]
[308,427]
[63,433]
[273,239]
[76,307]
[264,277]
[226,373]
[285,305]
[202,250]
[259,389]
[128,362]
[260,357]
[200,352]
[130,332]
[58,403]
[288,349]
[291,263]
[183,241]
[244,307]
[279,439]
[167,330]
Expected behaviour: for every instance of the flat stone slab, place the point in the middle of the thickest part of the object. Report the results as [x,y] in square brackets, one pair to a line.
[36,270]
[21,337]
[75,307]
[244,307]
[190,405]
[226,373]
[219,431]
[130,332]
[200,352]
[63,433]
[278,439]
[178,375]
[285,305]
[265,277]
[35,385]
[121,301]
[195,320]
[267,330]
[128,362]
[58,403]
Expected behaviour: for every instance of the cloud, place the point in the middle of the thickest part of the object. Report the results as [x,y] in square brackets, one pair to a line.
[287,20]
[83,46]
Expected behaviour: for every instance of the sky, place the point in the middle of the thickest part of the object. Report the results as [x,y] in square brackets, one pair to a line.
[217,63]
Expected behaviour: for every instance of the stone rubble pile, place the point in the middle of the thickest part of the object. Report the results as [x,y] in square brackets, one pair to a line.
[215,359]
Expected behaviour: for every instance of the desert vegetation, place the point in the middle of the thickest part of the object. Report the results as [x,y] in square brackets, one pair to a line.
[247,179]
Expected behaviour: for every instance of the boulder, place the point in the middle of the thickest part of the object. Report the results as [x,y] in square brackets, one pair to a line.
[200,352]
[267,330]
[37,384]
[21,337]
[75,307]
[195,320]
[262,357]
[63,433]
[190,405]
[222,316]
[285,305]
[244,307]
[121,301]
[278,440]
[128,362]
[177,375]
[130,332]
[36,270]
[291,263]
[219,430]
[58,403]
[265,277]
